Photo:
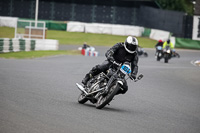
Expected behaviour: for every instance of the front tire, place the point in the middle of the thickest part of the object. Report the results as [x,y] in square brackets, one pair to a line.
[104,100]
[82,98]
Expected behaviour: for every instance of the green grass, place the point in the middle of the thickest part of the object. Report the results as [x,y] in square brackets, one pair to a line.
[77,38]
[6,32]
[72,38]
[36,54]
[94,39]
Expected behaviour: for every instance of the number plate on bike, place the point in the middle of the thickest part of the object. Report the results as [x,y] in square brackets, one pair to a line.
[126,69]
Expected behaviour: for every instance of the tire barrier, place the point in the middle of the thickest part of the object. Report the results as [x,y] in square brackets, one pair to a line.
[15,45]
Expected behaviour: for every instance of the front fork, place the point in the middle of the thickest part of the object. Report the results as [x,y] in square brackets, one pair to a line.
[111,80]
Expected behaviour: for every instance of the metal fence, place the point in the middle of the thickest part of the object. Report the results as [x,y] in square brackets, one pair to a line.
[163,19]
[29,29]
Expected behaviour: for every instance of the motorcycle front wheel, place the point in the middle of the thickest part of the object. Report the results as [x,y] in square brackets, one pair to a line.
[104,100]
[82,98]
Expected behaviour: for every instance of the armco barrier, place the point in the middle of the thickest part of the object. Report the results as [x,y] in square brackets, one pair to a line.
[15,45]
[75,27]
[8,21]
[159,34]
[53,25]
[100,28]
[187,43]
[147,32]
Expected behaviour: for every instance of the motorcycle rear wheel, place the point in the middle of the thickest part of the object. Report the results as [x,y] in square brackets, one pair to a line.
[104,100]
[82,98]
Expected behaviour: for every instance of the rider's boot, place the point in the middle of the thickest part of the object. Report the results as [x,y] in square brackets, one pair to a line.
[95,70]
[86,79]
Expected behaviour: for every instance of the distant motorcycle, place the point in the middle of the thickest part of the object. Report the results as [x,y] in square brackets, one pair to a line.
[141,52]
[101,89]
[167,52]
[159,53]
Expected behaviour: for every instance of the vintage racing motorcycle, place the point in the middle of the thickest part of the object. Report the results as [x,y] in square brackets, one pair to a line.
[102,88]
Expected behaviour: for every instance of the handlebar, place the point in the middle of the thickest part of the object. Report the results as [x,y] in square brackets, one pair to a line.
[114,62]
[137,78]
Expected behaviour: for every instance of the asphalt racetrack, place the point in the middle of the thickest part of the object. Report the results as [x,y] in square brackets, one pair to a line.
[40,96]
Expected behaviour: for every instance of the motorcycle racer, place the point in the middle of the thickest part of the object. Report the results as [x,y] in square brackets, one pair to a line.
[121,52]
[168,43]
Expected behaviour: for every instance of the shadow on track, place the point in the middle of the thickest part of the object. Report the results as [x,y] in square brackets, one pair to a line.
[108,108]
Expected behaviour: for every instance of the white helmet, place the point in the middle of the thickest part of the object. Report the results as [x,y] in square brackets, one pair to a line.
[131,44]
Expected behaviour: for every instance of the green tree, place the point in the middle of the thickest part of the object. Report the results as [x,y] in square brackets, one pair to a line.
[176,5]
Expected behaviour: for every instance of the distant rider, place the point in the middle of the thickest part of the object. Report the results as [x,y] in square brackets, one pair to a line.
[169,43]
[120,53]
[160,43]
[85,46]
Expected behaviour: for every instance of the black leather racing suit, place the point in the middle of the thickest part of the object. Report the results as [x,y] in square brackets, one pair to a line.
[119,54]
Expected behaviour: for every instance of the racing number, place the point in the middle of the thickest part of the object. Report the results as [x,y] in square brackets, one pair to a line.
[126,69]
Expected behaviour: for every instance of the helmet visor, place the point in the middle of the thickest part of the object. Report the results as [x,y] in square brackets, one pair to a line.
[131,47]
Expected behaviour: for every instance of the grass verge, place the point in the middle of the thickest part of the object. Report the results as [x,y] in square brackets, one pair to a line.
[36,54]
[7,32]
[77,38]
[94,39]
[72,38]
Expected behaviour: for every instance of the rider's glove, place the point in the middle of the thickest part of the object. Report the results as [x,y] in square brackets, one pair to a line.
[109,56]
[111,59]
[133,76]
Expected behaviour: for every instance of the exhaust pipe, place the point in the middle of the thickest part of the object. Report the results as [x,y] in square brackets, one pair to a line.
[80,87]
